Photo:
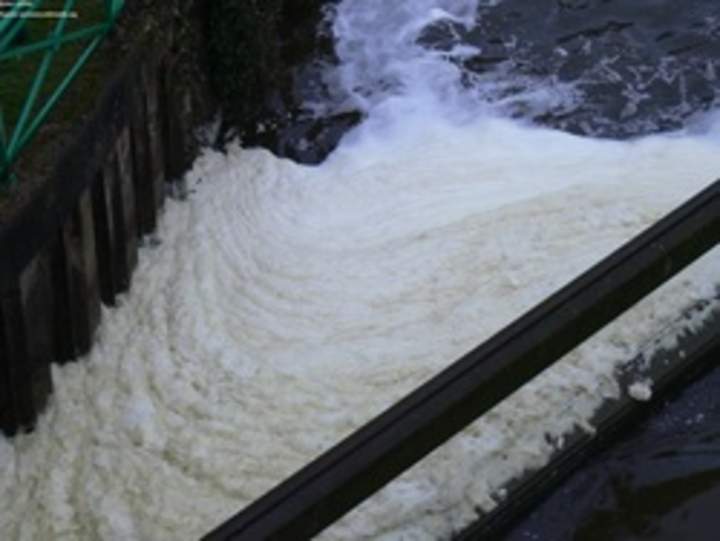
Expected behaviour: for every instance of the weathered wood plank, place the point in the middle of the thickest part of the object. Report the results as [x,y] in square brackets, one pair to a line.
[80,276]
[64,334]
[27,346]
[177,129]
[146,198]
[105,237]
[87,226]
[125,225]
[7,408]
[37,305]
[18,409]
[156,151]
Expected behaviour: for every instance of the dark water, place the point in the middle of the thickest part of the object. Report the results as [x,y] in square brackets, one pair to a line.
[606,68]
[639,67]
[660,482]
[618,68]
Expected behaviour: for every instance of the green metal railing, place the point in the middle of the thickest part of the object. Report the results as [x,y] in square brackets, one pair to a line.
[34,111]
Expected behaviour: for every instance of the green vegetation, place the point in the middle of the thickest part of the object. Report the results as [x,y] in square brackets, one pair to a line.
[17,74]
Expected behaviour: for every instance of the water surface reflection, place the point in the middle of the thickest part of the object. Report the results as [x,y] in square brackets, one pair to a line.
[660,483]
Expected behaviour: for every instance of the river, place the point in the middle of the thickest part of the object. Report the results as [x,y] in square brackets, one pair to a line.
[503,150]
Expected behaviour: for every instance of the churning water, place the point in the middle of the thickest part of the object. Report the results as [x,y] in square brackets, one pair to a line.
[289,304]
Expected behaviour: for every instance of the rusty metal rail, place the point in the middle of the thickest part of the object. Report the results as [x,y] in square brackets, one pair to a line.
[330,486]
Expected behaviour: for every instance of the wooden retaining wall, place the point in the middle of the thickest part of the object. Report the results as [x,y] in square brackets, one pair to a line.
[75,245]
[337,481]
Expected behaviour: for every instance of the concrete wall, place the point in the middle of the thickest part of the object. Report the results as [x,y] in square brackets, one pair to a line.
[76,244]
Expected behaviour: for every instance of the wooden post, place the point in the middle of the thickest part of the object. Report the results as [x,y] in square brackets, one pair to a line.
[155,148]
[76,242]
[145,196]
[105,236]
[125,226]
[78,267]
[38,303]
[17,405]
[27,346]
[177,124]
[8,423]
[330,486]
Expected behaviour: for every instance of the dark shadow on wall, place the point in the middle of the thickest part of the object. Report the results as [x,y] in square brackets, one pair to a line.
[261,55]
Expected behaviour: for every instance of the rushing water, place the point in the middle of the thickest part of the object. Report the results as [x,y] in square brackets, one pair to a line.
[286,305]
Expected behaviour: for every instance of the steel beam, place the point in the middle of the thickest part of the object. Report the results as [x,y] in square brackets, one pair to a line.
[347,474]
[697,351]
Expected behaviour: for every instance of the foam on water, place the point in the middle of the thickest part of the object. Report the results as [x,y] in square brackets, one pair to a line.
[289,304]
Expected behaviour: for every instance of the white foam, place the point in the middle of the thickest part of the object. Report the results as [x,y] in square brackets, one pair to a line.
[287,305]
[382,67]
[641,390]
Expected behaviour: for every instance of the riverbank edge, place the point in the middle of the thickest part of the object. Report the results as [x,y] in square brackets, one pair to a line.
[72,243]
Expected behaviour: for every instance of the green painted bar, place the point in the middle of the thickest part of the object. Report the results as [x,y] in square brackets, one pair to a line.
[15,25]
[36,86]
[72,37]
[57,95]
[17,137]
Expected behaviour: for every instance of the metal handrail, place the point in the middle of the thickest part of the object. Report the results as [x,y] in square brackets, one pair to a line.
[14,141]
[14,22]
[333,484]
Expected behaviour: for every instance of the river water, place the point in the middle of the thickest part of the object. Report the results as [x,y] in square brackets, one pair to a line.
[503,150]
[661,481]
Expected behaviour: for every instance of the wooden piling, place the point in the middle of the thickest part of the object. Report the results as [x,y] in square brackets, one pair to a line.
[155,149]
[143,183]
[340,479]
[27,343]
[76,245]
[105,237]
[81,276]
[125,225]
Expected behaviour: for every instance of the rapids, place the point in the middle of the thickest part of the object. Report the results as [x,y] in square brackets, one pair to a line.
[287,304]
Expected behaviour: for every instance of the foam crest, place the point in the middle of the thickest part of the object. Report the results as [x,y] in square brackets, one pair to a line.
[381,59]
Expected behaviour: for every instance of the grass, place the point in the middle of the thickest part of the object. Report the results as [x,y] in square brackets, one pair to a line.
[17,75]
